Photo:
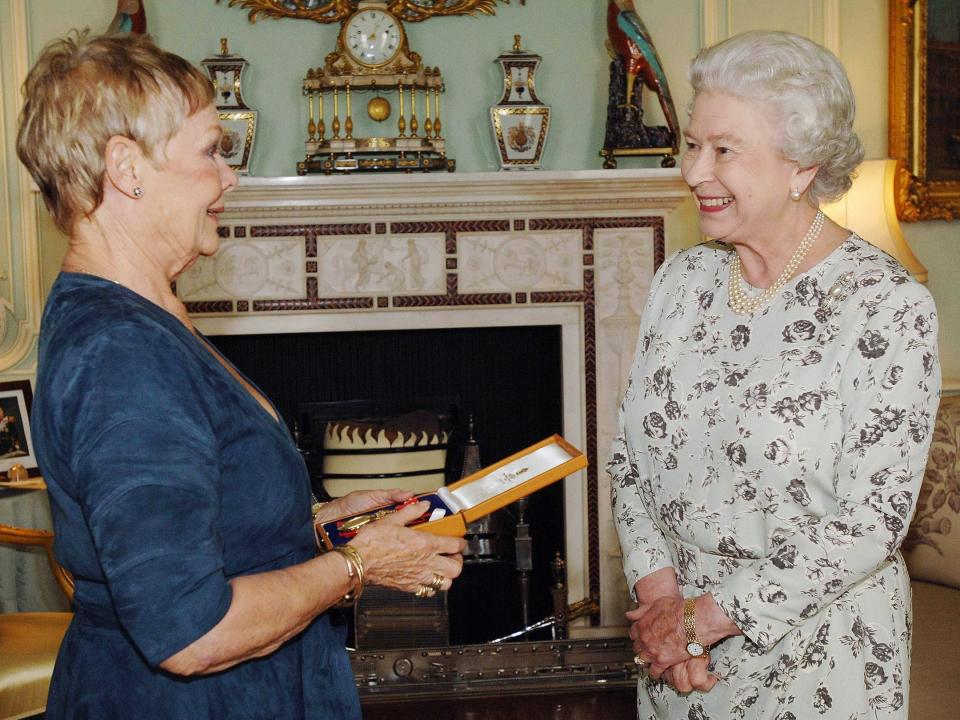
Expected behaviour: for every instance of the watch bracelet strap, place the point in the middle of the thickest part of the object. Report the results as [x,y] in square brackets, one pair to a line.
[690,623]
[689,620]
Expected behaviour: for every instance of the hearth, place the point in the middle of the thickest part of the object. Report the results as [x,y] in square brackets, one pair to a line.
[507,379]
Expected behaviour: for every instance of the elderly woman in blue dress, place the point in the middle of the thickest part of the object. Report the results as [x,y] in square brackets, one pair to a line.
[180,504]
[776,423]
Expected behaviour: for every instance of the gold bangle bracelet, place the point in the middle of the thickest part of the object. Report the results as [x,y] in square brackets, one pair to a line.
[354,564]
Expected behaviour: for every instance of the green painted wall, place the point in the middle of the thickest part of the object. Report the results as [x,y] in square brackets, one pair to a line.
[570,36]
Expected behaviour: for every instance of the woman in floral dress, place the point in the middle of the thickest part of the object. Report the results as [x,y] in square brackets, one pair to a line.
[776,423]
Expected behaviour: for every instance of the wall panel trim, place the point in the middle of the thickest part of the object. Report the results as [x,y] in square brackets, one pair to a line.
[22,303]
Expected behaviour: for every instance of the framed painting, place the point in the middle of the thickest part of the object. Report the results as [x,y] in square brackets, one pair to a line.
[16,442]
[924,107]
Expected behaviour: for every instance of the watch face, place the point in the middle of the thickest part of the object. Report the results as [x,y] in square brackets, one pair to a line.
[695,649]
[372,37]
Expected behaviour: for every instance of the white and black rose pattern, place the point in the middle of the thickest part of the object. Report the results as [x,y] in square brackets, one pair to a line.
[774,460]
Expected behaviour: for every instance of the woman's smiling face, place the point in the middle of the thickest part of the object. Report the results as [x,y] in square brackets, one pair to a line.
[187,188]
[740,179]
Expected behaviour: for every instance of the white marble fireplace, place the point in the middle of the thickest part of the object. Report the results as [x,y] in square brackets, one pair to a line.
[389,252]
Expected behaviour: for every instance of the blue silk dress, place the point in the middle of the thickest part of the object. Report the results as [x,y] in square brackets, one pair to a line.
[167,479]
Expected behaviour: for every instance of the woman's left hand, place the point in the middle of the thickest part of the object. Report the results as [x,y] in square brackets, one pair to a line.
[360,501]
[659,635]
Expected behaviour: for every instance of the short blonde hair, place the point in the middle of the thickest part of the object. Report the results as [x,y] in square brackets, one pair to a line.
[85,89]
[809,89]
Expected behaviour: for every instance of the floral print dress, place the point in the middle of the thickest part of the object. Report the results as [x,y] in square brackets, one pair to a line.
[774,460]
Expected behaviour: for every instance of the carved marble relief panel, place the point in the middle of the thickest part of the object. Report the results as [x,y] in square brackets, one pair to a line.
[625,264]
[384,265]
[532,261]
[256,268]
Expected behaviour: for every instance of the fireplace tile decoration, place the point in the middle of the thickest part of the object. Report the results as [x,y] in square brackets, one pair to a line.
[389,265]
[320,248]
[248,269]
[515,260]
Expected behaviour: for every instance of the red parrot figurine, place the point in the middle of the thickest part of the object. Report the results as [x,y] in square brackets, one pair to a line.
[631,41]
[130,17]
[635,57]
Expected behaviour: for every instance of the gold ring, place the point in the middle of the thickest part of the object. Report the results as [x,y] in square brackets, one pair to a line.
[425,591]
[437,582]
[640,661]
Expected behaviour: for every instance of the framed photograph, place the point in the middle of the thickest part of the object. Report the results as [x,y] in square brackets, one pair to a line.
[239,132]
[16,442]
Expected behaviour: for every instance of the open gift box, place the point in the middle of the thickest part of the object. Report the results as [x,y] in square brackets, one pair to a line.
[455,506]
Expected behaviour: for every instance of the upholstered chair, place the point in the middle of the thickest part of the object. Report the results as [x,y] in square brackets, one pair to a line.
[29,641]
[932,552]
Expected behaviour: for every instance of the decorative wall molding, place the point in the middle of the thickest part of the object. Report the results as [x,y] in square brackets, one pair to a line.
[714,21]
[718,22]
[831,26]
[574,249]
[21,296]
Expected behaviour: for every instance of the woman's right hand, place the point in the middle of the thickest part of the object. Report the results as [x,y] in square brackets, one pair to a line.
[692,674]
[398,557]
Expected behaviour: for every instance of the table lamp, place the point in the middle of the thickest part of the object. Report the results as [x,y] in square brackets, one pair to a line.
[868,209]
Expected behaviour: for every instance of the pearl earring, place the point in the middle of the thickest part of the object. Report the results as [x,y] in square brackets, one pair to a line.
[795,195]
[138,191]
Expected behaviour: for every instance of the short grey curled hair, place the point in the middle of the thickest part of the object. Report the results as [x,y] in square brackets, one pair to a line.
[806,84]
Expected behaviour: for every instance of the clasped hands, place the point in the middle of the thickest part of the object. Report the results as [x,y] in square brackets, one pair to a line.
[660,641]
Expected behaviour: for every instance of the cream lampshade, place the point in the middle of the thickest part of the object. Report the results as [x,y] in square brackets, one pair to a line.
[869,211]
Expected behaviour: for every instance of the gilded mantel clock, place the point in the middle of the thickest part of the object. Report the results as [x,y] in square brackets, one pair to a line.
[373,61]
[399,126]
[372,36]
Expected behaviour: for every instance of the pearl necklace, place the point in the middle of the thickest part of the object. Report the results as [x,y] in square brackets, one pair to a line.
[743,304]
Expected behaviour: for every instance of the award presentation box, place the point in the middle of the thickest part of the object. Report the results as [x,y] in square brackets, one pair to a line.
[455,506]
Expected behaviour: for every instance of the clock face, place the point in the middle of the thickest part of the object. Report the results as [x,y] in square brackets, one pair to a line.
[372,37]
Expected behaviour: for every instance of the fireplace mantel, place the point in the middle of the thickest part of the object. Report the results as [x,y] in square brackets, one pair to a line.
[386,252]
[456,193]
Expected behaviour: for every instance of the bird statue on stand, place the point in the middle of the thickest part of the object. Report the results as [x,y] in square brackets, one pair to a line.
[130,17]
[635,57]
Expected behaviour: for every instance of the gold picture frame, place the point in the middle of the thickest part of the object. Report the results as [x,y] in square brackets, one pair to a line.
[924,107]
[331,11]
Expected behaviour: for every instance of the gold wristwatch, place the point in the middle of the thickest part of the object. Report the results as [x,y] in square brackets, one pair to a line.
[694,646]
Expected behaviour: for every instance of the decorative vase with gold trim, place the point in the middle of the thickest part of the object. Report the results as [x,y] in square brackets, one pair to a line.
[239,122]
[520,121]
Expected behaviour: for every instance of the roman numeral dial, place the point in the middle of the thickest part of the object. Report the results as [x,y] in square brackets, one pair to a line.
[372,37]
